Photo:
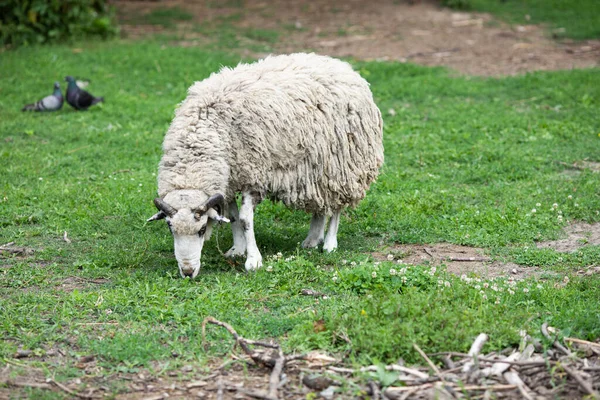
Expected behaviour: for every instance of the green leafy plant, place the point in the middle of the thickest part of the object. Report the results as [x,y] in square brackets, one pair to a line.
[25,22]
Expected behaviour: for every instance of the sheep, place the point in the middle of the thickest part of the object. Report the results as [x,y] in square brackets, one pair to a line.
[302,129]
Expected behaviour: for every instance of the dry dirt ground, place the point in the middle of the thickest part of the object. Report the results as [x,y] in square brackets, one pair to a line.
[415,31]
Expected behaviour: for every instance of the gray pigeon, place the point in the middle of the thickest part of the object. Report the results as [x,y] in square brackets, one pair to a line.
[78,98]
[53,102]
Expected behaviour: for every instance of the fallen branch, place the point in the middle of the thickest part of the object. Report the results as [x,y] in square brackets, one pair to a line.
[258,358]
[581,341]
[431,364]
[555,342]
[275,374]
[474,351]
[514,379]
[469,259]
[67,390]
[585,385]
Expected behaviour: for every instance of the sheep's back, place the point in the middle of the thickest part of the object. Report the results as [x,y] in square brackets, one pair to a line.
[304,129]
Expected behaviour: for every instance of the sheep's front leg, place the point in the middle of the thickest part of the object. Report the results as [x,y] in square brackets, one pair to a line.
[239,238]
[316,231]
[331,238]
[254,259]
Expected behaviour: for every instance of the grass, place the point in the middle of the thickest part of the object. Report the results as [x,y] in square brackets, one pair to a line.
[466,162]
[571,19]
[166,17]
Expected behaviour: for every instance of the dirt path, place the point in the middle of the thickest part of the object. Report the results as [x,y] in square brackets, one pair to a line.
[415,31]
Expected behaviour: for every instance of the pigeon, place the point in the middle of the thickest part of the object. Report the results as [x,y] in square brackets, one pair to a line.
[53,102]
[78,98]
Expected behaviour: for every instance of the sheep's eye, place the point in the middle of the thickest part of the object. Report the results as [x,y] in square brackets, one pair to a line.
[202,231]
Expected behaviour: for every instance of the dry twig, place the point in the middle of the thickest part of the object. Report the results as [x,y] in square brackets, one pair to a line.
[431,364]
[585,385]
[555,342]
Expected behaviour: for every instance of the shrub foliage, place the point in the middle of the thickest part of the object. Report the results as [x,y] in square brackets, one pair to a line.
[41,21]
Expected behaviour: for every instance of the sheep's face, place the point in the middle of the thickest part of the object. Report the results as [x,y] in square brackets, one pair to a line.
[188,234]
[189,215]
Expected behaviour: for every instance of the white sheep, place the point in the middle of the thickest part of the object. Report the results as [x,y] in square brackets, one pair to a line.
[301,128]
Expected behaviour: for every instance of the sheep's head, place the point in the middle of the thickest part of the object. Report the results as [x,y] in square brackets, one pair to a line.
[190,216]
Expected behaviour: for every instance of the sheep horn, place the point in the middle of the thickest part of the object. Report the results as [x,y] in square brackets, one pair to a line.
[164,207]
[214,200]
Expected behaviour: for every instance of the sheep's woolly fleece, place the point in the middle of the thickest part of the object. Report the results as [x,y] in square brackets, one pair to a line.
[299,128]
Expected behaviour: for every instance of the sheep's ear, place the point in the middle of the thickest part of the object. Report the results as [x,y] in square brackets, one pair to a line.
[214,215]
[159,215]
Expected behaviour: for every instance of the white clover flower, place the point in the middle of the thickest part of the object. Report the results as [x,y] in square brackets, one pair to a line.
[463,277]
[494,288]
[334,279]
[538,204]
[497,300]
[279,255]
[376,263]
[481,292]
[403,271]
[576,205]
[447,284]
[269,268]
[484,297]
[393,272]
[353,264]
[533,210]
[569,197]
[477,287]
[404,279]
[486,285]
[510,292]
[344,262]
[555,205]
[525,290]
[566,279]
[390,257]
[440,282]
[539,286]
[374,274]
[432,270]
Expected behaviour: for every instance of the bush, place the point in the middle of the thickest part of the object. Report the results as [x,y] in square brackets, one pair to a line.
[25,22]
[457,4]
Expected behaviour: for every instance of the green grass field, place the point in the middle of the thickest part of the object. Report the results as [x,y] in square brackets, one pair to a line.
[467,159]
[565,19]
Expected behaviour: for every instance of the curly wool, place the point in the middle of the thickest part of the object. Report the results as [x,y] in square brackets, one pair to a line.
[299,128]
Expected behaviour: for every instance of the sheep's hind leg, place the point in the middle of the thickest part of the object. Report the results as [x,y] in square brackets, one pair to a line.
[331,238]
[239,239]
[316,232]
[254,259]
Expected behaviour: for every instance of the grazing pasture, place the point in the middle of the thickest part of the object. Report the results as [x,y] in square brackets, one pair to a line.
[500,164]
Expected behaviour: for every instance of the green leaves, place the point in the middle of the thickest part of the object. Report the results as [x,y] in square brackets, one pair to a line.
[42,21]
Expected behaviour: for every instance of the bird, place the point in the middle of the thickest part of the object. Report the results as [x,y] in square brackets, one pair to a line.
[78,98]
[52,102]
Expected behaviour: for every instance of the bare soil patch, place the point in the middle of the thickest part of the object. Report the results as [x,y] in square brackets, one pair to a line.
[457,259]
[578,235]
[417,31]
